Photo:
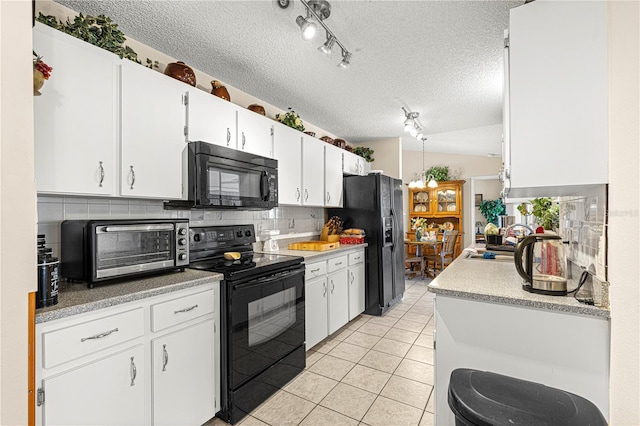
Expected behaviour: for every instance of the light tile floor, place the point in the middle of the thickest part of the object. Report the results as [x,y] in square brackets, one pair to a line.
[374,371]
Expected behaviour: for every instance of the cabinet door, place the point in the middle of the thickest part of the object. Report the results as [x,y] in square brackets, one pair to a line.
[446,200]
[558,94]
[365,167]
[420,201]
[338,287]
[110,391]
[333,176]
[315,311]
[356,290]
[287,149]
[153,121]
[210,119]
[183,376]
[75,118]
[255,133]
[352,165]
[312,171]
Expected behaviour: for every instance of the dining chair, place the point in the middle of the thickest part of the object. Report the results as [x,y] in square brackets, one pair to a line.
[435,263]
[411,261]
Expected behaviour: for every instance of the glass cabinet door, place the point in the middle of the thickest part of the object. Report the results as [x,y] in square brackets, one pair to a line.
[421,202]
[446,200]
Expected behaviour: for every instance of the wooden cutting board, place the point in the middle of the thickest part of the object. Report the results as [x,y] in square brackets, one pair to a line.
[313,245]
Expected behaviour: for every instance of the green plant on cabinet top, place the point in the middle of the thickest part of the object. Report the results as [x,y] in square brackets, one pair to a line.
[364,152]
[439,173]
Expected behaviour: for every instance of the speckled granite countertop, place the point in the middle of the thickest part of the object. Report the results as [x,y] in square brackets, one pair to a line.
[499,282]
[313,256]
[76,298]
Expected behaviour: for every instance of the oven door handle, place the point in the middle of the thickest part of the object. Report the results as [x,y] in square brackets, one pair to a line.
[135,228]
[264,186]
[269,279]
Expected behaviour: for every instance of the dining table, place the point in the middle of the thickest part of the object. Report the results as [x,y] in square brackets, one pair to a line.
[420,245]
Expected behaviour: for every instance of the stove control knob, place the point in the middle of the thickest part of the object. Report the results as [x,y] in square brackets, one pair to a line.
[197,237]
[182,231]
[183,241]
[247,233]
[182,256]
[239,234]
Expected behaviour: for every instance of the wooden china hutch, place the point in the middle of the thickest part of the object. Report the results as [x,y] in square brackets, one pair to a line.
[441,206]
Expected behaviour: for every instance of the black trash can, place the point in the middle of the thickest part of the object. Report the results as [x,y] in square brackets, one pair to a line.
[481,398]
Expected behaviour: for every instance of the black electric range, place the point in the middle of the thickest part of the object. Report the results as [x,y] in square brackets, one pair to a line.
[262,316]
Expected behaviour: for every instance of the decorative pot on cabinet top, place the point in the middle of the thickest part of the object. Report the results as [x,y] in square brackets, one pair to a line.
[181,71]
[259,109]
[219,90]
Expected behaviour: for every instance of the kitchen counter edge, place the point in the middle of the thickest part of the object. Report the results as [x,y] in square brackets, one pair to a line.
[499,282]
[76,298]
[314,255]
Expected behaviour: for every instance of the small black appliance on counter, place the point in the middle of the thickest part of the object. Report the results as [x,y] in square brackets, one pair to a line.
[47,294]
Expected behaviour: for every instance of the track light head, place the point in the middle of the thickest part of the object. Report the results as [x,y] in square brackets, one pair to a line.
[346,60]
[307,26]
[328,45]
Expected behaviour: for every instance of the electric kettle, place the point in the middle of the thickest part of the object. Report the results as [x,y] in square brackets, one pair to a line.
[540,260]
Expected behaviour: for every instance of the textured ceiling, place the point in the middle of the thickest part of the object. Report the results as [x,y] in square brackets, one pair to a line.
[442,59]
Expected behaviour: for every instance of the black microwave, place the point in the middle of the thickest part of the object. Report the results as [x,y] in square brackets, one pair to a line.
[217,177]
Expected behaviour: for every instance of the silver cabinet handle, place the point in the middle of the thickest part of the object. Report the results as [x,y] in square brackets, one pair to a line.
[165,357]
[352,278]
[306,194]
[313,271]
[324,292]
[356,258]
[191,308]
[338,263]
[133,176]
[297,194]
[99,336]
[134,372]
[328,196]
[101,173]
[228,136]
[244,140]
[333,286]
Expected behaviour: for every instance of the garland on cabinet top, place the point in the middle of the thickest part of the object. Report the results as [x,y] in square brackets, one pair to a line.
[98,30]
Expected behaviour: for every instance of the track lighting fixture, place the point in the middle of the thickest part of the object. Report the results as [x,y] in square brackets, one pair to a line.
[411,125]
[317,11]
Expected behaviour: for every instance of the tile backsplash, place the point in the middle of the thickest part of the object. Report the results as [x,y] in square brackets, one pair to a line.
[52,210]
[583,224]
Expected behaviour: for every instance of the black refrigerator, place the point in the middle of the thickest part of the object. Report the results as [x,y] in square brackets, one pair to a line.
[374,203]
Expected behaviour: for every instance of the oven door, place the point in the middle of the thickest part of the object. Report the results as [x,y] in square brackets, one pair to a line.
[267,323]
[227,183]
[124,249]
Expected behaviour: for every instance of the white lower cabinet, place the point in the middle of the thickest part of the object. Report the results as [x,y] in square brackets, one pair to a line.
[183,376]
[331,301]
[356,284]
[315,310]
[108,367]
[108,391]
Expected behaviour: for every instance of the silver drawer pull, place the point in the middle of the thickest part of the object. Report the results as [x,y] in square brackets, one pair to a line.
[99,336]
[315,270]
[165,357]
[356,258]
[185,309]
[338,263]
[134,372]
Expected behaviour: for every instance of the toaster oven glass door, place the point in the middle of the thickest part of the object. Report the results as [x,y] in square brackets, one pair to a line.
[126,249]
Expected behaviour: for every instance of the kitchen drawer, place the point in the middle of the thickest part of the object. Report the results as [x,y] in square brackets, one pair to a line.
[66,344]
[182,309]
[336,263]
[316,269]
[355,258]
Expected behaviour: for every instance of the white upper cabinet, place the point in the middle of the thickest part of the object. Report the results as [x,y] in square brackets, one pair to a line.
[352,164]
[333,176]
[255,133]
[75,118]
[210,119]
[312,171]
[153,123]
[287,149]
[558,96]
